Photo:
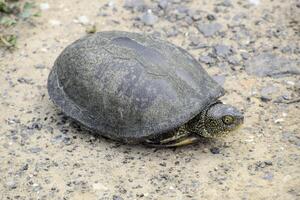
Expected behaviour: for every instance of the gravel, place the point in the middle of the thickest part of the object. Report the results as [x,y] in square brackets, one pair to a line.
[251,50]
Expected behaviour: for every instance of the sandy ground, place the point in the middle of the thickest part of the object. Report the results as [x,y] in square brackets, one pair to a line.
[46,156]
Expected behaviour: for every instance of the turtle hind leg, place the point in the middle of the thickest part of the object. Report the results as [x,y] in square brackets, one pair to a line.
[176,138]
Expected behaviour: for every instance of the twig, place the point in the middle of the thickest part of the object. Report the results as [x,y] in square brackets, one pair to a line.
[293,101]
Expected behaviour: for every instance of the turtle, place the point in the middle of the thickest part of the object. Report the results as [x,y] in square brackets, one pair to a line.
[137,88]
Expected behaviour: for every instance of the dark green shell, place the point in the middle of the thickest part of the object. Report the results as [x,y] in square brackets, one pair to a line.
[129,86]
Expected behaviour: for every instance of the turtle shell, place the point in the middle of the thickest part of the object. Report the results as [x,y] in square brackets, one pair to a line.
[129,86]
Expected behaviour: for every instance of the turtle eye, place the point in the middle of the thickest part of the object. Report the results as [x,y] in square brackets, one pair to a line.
[227,119]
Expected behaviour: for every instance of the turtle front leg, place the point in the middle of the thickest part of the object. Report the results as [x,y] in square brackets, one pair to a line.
[179,137]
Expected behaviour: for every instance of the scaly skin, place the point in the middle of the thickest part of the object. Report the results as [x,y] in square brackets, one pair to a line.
[216,120]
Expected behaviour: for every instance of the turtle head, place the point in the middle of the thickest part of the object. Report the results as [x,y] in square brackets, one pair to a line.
[220,119]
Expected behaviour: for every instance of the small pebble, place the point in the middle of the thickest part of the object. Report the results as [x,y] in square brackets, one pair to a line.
[35,150]
[116,197]
[267,93]
[245,55]
[209,30]
[163,4]
[99,186]
[134,4]
[44,6]
[25,80]
[222,50]
[277,121]
[268,176]
[194,40]
[207,59]
[84,20]
[254,2]
[54,22]
[25,167]
[11,185]
[148,18]
[215,150]
[233,60]
[40,66]
[211,17]
[226,3]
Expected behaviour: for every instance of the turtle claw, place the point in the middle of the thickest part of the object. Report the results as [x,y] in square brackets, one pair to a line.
[175,143]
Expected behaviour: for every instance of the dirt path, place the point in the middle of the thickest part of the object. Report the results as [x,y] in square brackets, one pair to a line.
[253,48]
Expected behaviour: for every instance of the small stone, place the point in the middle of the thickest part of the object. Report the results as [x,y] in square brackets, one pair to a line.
[205,150]
[291,83]
[11,185]
[211,17]
[279,120]
[13,121]
[84,20]
[35,150]
[268,176]
[135,4]
[25,167]
[163,4]
[189,20]
[226,3]
[233,60]
[215,150]
[99,186]
[268,162]
[25,80]
[54,22]
[196,17]
[111,4]
[44,6]
[265,98]
[39,66]
[180,16]
[36,125]
[36,187]
[148,18]
[297,87]
[171,32]
[266,93]
[207,59]
[291,138]
[245,55]
[261,164]
[222,50]
[116,197]
[286,49]
[194,40]
[176,1]
[254,2]
[209,30]
[286,96]
[182,9]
